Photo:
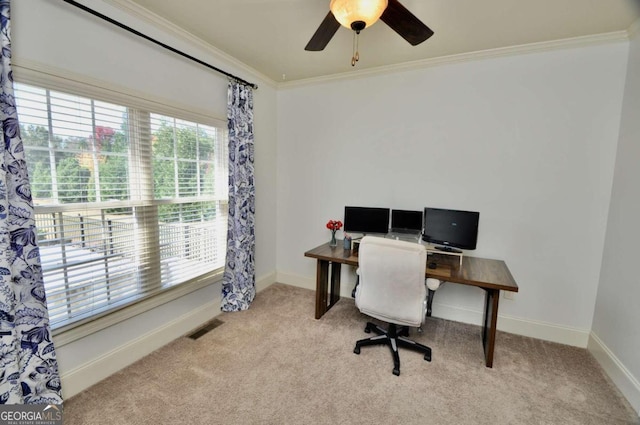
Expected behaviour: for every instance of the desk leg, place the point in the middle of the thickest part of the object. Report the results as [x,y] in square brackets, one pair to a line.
[322,286]
[335,283]
[489,324]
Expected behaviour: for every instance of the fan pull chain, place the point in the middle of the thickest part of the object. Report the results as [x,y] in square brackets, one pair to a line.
[356,55]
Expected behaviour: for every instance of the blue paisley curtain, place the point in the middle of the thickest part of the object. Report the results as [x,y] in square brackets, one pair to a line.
[239,281]
[28,366]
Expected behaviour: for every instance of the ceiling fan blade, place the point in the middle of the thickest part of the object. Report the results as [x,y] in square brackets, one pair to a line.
[405,23]
[323,34]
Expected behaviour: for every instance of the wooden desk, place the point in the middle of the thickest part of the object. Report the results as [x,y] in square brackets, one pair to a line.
[491,275]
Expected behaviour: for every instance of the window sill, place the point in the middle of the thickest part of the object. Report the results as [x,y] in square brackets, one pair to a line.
[68,334]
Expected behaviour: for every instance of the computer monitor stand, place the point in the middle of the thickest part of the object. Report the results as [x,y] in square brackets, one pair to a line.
[448,249]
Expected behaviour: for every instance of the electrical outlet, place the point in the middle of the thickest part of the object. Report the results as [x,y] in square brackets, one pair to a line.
[508,295]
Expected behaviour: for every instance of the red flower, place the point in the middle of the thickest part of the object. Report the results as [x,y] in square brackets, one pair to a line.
[334,225]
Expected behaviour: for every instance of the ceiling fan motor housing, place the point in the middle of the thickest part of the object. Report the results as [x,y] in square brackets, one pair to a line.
[358,13]
[358,26]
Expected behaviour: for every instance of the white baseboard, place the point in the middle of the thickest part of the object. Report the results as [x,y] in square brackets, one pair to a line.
[457,314]
[297,280]
[535,329]
[617,372]
[544,330]
[264,282]
[515,325]
[310,283]
[90,373]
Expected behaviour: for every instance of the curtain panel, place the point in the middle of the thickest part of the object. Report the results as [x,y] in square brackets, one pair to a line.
[28,366]
[238,286]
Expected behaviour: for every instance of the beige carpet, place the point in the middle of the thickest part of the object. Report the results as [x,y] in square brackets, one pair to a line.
[276,364]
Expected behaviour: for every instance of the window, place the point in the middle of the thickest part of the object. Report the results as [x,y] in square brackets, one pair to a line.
[128,203]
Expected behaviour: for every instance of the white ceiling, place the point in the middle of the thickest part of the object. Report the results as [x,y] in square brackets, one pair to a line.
[270,35]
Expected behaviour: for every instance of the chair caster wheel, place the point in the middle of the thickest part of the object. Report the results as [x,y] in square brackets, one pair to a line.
[356,350]
[396,372]
[427,357]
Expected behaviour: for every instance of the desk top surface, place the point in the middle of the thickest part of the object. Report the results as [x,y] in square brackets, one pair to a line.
[475,271]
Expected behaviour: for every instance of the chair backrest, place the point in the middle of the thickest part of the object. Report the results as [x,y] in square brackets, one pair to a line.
[392,277]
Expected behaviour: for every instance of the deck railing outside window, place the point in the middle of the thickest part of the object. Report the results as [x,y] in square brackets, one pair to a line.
[128,202]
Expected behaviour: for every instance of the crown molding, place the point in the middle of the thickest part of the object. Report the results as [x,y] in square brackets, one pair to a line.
[147,16]
[568,43]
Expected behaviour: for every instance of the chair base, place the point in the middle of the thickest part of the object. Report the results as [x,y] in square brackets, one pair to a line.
[394,337]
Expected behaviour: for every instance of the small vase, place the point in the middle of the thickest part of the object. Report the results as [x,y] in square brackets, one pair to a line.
[333,241]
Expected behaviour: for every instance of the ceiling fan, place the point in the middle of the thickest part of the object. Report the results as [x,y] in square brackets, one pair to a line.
[360,14]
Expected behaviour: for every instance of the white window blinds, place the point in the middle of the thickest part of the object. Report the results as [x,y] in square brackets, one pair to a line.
[128,203]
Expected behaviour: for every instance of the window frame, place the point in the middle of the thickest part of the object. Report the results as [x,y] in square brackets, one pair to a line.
[54,79]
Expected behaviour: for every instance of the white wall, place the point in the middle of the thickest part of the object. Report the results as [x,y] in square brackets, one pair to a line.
[616,323]
[53,34]
[527,140]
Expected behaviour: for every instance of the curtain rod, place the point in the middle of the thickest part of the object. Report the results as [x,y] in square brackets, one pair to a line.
[159,43]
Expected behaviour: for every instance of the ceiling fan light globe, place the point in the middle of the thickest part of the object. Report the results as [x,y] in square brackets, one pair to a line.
[348,11]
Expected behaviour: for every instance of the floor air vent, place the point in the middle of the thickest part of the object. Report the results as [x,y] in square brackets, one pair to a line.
[209,326]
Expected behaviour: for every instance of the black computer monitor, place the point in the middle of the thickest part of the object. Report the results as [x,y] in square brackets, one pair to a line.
[366,220]
[405,221]
[451,228]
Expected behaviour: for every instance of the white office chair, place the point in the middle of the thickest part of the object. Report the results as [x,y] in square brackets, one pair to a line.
[392,289]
